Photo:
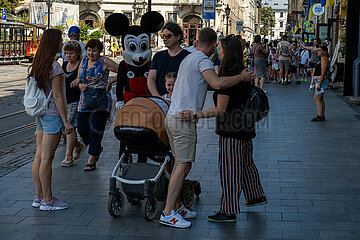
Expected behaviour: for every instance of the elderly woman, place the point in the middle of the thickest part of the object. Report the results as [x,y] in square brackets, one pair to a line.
[72,51]
[95,99]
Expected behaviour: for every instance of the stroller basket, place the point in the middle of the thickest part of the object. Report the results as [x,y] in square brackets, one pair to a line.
[139,171]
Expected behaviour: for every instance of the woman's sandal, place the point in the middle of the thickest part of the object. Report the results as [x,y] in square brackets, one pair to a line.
[90,167]
[67,162]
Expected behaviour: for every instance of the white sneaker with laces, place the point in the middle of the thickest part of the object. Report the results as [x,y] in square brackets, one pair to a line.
[174,220]
[186,213]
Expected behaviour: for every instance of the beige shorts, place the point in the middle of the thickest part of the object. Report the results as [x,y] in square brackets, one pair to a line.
[182,138]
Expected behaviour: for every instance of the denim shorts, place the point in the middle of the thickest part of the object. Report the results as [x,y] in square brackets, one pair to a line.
[49,124]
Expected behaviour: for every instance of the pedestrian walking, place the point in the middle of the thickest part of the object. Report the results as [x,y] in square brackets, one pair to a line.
[260,59]
[95,99]
[49,76]
[275,66]
[283,51]
[114,48]
[107,48]
[195,73]
[168,60]
[321,81]
[314,58]
[304,60]
[294,65]
[74,148]
[236,165]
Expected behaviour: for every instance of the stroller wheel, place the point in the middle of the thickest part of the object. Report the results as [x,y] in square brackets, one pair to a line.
[149,208]
[187,194]
[116,204]
[133,200]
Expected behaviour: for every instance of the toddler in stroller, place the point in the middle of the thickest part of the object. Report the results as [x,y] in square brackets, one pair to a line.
[140,126]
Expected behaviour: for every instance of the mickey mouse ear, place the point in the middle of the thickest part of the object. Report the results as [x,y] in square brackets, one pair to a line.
[152,22]
[116,24]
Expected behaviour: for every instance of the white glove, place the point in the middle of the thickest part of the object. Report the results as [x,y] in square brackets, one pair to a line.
[119,105]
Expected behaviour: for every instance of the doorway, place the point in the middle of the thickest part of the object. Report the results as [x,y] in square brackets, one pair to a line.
[191,27]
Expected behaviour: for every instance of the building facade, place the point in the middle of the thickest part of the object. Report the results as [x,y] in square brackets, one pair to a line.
[187,13]
[280,8]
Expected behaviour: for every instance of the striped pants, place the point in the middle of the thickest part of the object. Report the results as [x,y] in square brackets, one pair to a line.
[237,173]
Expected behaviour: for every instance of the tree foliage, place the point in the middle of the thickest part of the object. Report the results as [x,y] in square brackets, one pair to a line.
[10,5]
[84,34]
[267,14]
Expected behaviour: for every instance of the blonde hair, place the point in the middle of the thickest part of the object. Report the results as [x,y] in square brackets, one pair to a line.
[170,75]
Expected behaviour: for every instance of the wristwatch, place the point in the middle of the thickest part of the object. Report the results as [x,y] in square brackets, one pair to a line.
[194,117]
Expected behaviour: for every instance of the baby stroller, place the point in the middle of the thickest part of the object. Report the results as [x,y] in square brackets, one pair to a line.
[140,126]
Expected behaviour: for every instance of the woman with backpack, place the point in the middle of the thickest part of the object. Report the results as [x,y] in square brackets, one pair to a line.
[236,165]
[314,58]
[49,76]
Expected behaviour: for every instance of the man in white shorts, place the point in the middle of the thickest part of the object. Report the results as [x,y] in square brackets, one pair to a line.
[195,73]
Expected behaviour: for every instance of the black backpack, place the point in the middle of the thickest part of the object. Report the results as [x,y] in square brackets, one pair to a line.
[257,104]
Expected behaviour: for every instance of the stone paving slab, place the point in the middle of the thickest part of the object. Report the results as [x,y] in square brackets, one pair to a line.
[309,171]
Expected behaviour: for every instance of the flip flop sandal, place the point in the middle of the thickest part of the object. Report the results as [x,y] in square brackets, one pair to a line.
[78,151]
[90,167]
[67,162]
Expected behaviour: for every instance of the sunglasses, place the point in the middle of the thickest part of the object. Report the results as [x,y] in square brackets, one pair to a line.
[73,35]
[75,43]
[166,35]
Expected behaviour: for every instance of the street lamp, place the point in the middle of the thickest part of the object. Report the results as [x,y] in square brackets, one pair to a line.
[271,23]
[227,12]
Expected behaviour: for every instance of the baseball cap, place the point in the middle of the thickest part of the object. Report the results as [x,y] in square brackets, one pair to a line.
[74,30]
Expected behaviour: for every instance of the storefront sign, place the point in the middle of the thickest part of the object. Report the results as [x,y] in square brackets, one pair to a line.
[318,9]
[208,10]
[239,26]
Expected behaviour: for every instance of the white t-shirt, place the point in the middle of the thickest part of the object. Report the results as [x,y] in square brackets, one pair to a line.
[190,87]
[62,55]
[304,56]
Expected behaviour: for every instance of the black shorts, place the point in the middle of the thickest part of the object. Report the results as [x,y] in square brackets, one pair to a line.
[301,66]
[311,65]
[293,69]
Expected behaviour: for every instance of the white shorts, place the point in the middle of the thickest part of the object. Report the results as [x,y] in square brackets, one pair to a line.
[275,66]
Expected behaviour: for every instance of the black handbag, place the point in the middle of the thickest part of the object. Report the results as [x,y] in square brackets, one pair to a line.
[95,98]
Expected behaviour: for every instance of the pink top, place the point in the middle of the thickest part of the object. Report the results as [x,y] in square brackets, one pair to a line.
[274,59]
[56,71]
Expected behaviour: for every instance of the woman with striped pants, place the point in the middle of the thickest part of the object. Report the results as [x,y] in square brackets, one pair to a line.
[236,165]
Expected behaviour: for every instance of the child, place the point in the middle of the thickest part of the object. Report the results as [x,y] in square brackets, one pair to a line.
[275,65]
[294,64]
[304,60]
[169,84]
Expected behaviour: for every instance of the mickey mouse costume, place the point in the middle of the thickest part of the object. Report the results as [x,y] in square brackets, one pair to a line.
[134,69]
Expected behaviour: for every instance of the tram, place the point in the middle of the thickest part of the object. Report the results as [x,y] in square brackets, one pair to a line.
[19,41]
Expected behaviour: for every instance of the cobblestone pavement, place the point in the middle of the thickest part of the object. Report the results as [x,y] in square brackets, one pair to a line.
[309,171]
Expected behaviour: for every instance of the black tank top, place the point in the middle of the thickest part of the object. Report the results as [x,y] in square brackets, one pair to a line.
[317,72]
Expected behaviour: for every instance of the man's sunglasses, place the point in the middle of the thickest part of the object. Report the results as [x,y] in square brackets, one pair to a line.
[166,35]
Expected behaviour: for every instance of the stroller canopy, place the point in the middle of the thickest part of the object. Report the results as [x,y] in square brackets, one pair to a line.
[145,112]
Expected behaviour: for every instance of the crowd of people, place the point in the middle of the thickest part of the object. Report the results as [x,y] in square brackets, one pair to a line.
[82,101]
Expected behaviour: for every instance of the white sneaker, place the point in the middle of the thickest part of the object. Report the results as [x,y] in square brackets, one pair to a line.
[186,213]
[174,220]
[311,87]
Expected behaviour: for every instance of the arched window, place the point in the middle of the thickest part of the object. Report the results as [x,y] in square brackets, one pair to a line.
[88,18]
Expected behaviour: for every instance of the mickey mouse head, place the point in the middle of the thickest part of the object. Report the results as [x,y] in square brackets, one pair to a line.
[135,39]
